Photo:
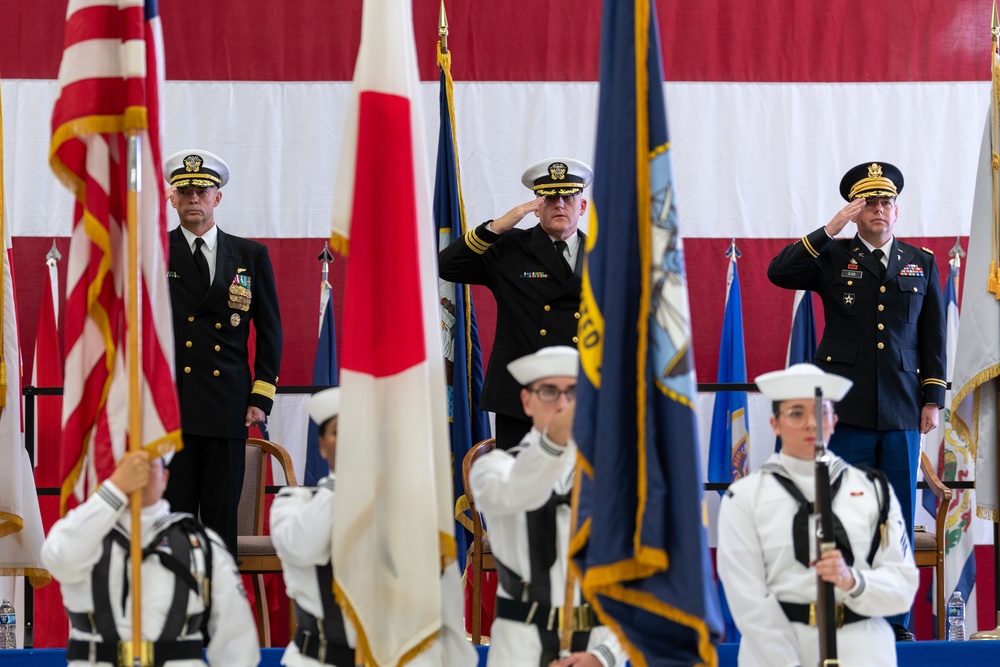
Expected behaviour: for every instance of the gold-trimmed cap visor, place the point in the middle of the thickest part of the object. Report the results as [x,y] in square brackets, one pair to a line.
[871,179]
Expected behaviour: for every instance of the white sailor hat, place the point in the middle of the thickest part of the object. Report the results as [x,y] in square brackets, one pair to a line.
[557,176]
[324,405]
[555,361]
[196,168]
[800,381]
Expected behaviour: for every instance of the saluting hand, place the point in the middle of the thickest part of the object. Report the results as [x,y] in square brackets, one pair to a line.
[847,214]
[508,220]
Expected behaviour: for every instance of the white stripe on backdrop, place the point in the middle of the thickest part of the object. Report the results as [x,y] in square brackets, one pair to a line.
[753,160]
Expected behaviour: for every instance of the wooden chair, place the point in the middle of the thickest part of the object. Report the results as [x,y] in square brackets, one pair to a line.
[479,554]
[254,551]
[928,547]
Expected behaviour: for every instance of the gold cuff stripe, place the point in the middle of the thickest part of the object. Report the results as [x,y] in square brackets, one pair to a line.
[809,247]
[882,187]
[264,389]
[935,381]
[476,244]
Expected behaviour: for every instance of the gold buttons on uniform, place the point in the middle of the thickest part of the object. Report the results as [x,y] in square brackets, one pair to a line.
[881,326]
[881,307]
[882,289]
[881,345]
[218,325]
[850,282]
[576,315]
[914,289]
[187,344]
[543,332]
[187,369]
[829,358]
[546,308]
[215,373]
[191,318]
[217,348]
[575,339]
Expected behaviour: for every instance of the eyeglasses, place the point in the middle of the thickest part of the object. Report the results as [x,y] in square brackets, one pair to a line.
[799,416]
[549,393]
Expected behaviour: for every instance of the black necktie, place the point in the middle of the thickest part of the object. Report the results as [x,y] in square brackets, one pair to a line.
[878,254]
[202,262]
[561,249]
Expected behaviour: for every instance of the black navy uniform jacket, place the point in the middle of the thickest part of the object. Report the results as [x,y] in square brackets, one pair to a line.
[887,337]
[214,384]
[538,300]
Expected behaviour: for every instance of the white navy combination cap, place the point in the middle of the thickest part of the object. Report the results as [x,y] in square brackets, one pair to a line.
[557,176]
[800,381]
[324,405]
[555,361]
[196,168]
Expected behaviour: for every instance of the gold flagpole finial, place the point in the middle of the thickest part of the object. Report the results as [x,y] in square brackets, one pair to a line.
[443,27]
[994,26]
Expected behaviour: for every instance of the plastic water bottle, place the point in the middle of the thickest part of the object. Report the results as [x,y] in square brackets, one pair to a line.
[8,625]
[956,618]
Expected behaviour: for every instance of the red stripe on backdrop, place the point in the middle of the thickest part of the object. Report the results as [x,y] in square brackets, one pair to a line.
[550,40]
[767,310]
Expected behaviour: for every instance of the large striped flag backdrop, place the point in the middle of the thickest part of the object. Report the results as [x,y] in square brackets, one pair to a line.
[393,539]
[110,78]
[639,539]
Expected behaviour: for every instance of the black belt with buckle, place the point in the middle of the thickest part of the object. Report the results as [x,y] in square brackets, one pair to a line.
[163,651]
[544,616]
[311,642]
[806,613]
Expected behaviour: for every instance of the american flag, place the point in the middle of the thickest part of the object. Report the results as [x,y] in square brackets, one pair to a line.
[109,80]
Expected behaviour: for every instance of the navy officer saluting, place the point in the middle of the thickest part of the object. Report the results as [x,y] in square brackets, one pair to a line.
[885,329]
[535,277]
[218,284]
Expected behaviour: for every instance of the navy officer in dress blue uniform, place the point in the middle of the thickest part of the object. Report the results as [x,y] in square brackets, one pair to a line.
[885,329]
[218,284]
[535,277]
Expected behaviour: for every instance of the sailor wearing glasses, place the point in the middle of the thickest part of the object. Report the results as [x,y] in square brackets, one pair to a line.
[765,538]
[524,495]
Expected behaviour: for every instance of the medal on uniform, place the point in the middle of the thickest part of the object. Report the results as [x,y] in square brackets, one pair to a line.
[234,319]
[239,293]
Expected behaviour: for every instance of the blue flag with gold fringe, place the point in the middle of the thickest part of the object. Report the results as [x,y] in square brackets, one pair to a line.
[462,355]
[639,540]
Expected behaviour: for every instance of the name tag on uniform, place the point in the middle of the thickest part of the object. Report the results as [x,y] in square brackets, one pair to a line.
[847,273]
[534,274]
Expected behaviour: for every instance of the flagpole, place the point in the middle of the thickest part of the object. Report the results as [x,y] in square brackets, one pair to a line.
[137,655]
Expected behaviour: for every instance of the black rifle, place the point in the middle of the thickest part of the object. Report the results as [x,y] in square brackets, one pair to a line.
[826,604]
